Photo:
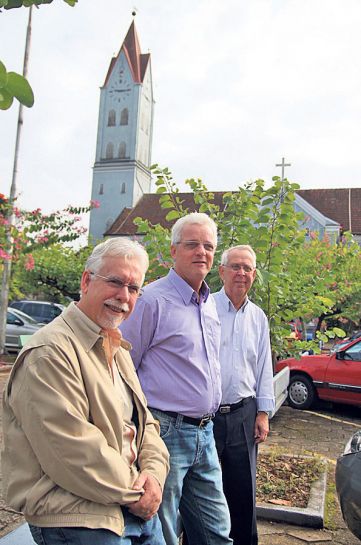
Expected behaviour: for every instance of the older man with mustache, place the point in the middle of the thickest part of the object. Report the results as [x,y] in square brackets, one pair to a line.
[83,459]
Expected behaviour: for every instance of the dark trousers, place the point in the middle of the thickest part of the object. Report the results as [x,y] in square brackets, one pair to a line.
[237,451]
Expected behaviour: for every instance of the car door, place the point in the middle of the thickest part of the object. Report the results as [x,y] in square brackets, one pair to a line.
[12,336]
[343,375]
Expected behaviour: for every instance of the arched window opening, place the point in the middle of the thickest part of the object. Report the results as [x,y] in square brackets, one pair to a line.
[101,189]
[111,118]
[122,189]
[122,150]
[124,116]
[109,154]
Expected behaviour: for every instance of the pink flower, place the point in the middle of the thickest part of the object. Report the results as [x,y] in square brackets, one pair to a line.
[94,204]
[29,263]
[4,255]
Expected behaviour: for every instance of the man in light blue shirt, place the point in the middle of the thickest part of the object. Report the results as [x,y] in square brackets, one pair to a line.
[241,422]
[175,337]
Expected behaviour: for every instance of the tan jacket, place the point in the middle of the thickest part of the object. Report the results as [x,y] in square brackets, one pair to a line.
[62,460]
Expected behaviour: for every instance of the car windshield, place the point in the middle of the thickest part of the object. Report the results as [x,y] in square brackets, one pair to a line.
[28,319]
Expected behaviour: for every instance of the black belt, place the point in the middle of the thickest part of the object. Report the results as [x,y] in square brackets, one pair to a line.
[224,409]
[199,422]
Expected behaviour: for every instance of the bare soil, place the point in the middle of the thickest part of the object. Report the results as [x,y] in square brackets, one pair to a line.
[286,480]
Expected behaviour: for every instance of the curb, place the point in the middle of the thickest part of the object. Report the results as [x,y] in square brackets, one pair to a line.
[311,516]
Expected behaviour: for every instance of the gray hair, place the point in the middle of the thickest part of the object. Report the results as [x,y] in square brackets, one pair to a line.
[198,218]
[244,247]
[117,247]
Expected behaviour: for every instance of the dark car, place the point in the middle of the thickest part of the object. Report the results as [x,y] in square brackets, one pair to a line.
[348,483]
[42,311]
[333,377]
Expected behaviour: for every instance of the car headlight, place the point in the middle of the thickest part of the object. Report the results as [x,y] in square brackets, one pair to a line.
[354,444]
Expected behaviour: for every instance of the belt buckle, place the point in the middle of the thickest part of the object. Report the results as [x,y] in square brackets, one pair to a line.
[225,409]
[204,420]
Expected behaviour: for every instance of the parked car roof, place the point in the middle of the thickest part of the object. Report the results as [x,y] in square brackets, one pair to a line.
[41,311]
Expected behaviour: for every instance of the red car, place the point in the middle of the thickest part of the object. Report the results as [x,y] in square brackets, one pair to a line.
[333,377]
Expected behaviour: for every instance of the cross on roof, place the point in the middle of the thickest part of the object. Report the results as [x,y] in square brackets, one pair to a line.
[283,165]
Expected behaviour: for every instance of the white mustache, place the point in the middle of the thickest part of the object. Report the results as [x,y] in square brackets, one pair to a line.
[121,307]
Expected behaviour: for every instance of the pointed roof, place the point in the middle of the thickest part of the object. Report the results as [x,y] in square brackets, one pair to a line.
[137,61]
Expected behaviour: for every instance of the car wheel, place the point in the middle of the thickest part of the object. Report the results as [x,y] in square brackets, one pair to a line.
[301,392]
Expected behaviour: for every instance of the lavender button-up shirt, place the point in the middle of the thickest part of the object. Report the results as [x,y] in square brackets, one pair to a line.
[175,344]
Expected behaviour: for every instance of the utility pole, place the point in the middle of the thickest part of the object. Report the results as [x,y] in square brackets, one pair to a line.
[4,294]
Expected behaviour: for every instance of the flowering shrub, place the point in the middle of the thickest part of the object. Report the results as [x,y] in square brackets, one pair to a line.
[30,229]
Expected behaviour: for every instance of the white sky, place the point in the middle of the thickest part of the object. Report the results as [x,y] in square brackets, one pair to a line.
[238,85]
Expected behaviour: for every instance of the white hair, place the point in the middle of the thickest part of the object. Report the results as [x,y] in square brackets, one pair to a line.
[117,247]
[194,218]
[242,247]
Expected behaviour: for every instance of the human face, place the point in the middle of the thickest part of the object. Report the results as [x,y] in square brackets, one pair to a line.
[193,262]
[106,304]
[237,283]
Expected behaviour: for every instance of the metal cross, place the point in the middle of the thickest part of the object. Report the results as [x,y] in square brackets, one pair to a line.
[283,165]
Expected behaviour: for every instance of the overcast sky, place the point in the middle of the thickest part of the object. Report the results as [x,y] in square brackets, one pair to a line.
[238,85]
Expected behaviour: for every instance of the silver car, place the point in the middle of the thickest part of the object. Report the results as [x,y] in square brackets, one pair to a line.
[348,483]
[18,326]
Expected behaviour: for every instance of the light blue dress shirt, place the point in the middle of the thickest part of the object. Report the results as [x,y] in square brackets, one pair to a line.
[175,347]
[245,353]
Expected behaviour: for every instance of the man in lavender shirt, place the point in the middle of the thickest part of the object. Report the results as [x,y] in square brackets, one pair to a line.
[175,335]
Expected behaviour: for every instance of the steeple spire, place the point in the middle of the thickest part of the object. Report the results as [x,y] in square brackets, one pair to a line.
[137,61]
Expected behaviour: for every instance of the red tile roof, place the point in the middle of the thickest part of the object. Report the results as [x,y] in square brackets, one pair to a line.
[336,204]
[341,205]
[148,207]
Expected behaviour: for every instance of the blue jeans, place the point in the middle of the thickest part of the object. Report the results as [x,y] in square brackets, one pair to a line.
[194,484]
[137,531]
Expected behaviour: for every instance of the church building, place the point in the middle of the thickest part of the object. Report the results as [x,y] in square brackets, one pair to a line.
[121,172]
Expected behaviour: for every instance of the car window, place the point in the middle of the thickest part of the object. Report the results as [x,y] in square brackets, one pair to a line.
[354,352]
[11,318]
[55,311]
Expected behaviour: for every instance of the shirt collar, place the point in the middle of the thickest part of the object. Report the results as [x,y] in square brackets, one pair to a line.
[87,331]
[228,305]
[185,290]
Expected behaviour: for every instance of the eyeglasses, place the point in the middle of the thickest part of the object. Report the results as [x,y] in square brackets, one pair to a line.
[116,283]
[236,268]
[193,244]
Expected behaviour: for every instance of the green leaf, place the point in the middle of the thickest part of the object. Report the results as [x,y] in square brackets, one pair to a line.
[3,75]
[172,215]
[6,99]
[339,332]
[20,89]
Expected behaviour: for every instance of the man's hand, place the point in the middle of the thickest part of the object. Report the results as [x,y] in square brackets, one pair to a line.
[261,427]
[148,504]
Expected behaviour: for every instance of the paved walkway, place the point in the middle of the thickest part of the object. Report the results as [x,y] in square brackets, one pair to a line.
[324,432]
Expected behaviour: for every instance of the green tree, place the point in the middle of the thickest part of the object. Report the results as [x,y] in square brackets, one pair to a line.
[290,283]
[55,273]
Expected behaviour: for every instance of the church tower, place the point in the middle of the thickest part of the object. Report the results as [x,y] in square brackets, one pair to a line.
[123,151]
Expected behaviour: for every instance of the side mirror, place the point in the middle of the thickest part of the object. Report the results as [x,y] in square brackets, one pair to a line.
[17,321]
[340,355]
